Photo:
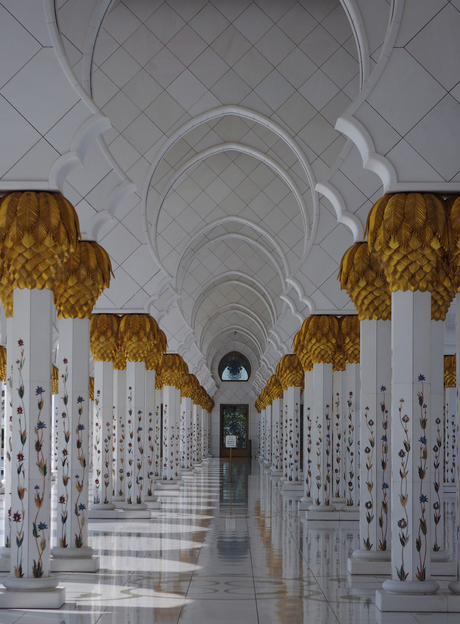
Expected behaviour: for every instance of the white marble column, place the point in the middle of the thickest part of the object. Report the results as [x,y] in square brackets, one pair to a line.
[7,465]
[454,586]
[30,584]
[306,499]
[338,436]
[157,415]
[450,399]
[102,440]
[292,447]
[352,412]
[268,436]
[375,467]
[411,454]
[171,408]
[150,497]
[204,435]
[439,553]
[137,439]
[186,434]
[73,552]
[262,436]
[199,456]
[119,402]
[277,437]
[195,461]
[322,439]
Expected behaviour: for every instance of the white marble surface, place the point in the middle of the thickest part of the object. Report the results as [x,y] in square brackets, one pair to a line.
[200,560]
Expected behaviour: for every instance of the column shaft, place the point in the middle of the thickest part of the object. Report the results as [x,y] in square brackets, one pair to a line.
[137,428]
[119,401]
[322,438]
[102,436]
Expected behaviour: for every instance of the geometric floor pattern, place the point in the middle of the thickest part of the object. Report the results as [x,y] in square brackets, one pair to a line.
[229,549]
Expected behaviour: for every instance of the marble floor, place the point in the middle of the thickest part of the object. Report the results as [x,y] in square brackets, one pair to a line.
[225,550]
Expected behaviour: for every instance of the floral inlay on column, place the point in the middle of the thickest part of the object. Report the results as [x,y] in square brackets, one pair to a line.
[403,523]
[130,472]
[328,451]
[38,527]
[98,453]
[64,498]
[140,459]
[383,519]
[80,508]
[338,448]
[421,543]
[369,453]
[350,474]
[19,515]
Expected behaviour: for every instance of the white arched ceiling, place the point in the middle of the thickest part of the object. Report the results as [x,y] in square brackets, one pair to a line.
[230,141]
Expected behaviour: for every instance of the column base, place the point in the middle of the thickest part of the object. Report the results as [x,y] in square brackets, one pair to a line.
[118,499]
[74,560]
[31,593]
[168,488]
[422,602]
[350,508]
[198,466]
[305,503]
[5,559]
[153,504]
[102,512]
[133,511]
[323,508]
[276,472]
[373,562]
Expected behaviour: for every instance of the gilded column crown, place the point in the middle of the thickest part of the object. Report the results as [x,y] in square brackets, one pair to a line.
[103,336]
[257,404]
[173,369]
[38,231]
[189,386]
[274,388]
[450,371]
[290,372]
[321,332]
[201,397]
[300,348]
[158,380]
[156,352]
[265,398]
[3,363]
[350,331]
[364,279]
[442,288]
[119,357]
[138,334]
[339,361]
[55,380]
[91,388]
[6,291]
[86,273]
[408,232]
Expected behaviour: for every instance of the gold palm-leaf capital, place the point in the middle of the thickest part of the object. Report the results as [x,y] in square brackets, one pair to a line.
[408,232]
[38,231]
[138,336]
[91,388]
[290,372]
[321,333]
[103,336]
[450,371]
[350,329]
[275,388]
[3,363]
[362,276]
[85,274]
[173,369]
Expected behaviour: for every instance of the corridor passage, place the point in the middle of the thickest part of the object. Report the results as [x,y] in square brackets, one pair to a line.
[227,550]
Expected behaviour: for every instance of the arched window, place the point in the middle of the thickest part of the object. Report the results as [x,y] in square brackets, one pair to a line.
[234,367]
